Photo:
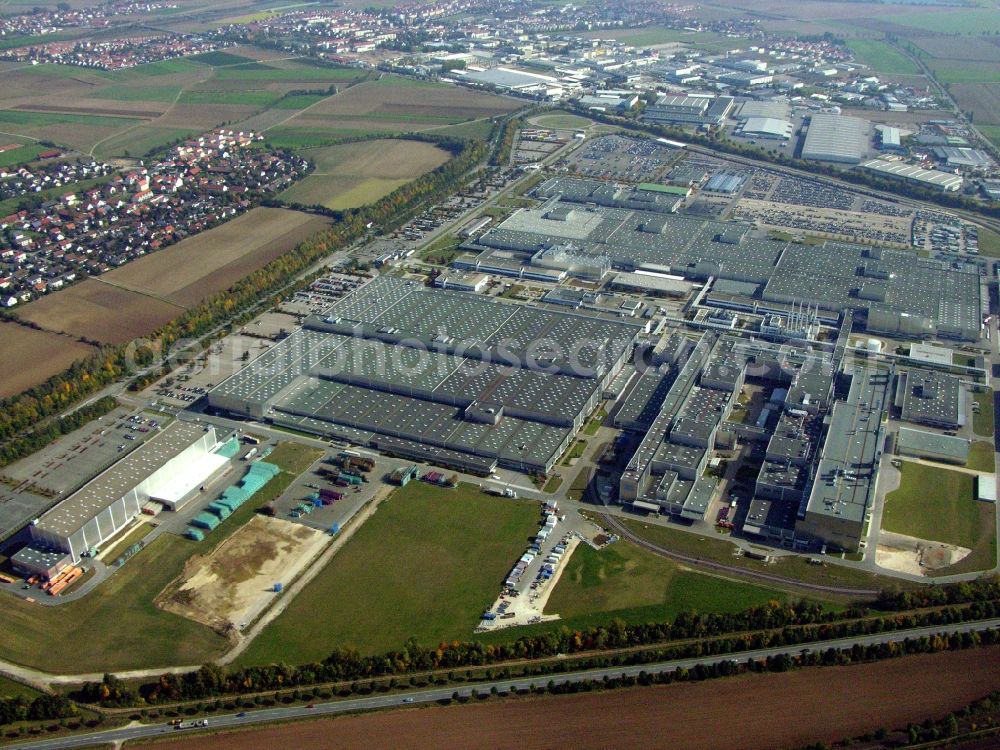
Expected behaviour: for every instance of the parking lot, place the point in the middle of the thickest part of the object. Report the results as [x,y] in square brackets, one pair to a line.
[620,158]
[535,574]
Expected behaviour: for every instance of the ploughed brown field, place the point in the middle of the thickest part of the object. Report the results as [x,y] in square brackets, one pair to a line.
[759,711]
[135,299]
[31,357]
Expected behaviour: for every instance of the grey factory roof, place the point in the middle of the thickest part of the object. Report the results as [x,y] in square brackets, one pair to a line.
[932,397]
[772,108]
[845,475]
[902,170]
[107,488]
[508,78]
[645,399]
[398,360]
[836,138]
[768,126]
[933,443]
[945,293]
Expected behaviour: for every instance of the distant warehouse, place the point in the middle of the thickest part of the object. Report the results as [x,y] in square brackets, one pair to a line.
[836,138]
[897,170]
[167,468]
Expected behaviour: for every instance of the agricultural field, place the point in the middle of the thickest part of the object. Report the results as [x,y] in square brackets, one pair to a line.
[393,105]
[11,689]
[354,174]
[447,551]
[32,357]
[119,622]
[137,298]
[623,580]
[973,49]
[935,504]
[131,112]
[186,273]
[818,707]
[881,57]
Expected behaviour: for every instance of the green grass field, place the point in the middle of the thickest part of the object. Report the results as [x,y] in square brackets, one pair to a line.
[142,140]
[135,93]
[40,119]
[332,75]
[934,504]
[26,153]
[712,547]
[625,581]
[249,98]
[567,121]
[117,626]
[981,456]
[425,565]
[219,58]
[477,130]
[882,57]
[11,689]
[982,420]
[955,71]
[993,133]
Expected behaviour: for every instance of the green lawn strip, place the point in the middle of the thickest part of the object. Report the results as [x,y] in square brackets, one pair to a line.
[981,457]
[984,554]
[795,567]
[553,483]
[576,450]
[118,622]
[935,504]
[425,565]
[595,422]
[982,420]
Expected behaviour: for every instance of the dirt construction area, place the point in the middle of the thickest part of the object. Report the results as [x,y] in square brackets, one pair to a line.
[820,704]
[235,582]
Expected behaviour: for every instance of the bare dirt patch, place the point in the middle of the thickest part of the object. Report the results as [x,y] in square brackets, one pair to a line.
[186,273]
[235,581]
[30,357]
[823,704]
[99,311]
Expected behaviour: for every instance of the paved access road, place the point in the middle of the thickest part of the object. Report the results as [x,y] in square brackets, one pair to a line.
[430,695]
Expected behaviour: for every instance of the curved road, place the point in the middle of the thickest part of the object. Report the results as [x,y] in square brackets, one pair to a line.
[431,695]
[698,562]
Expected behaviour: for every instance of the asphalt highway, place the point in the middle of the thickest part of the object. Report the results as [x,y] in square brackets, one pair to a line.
[431,695]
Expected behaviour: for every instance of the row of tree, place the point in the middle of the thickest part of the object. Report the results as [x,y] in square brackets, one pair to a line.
[40,708]
[770,625]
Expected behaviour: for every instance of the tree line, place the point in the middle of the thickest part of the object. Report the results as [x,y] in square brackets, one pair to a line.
[770,625]
[40,708]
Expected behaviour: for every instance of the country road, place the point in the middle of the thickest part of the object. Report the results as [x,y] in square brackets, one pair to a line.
[431,695]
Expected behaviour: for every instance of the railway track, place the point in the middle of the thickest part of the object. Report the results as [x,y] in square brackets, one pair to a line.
[623,531]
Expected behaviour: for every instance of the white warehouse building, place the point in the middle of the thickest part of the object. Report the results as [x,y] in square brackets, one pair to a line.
[166,468]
